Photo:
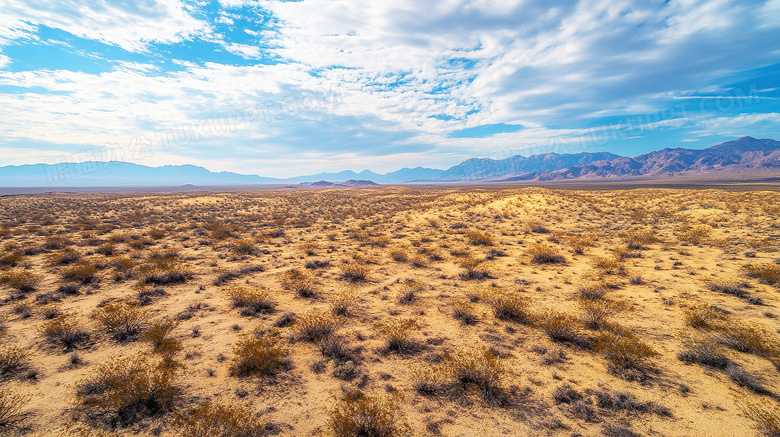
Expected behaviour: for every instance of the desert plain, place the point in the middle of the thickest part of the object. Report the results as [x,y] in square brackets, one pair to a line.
[453,311]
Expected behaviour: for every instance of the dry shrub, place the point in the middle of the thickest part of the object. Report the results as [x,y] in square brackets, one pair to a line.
[610,265]
[316,325]
[592,290]
[479,366]
[428,379]
[13,359]
[559,326]
[409,290]
[507,305]
[578,243]
[219,420]
[596,313]
[701,349]
[475,268]
[297,281]
[123,389]
[544,254]
[64,330]
[12,408]
[21,280]
[479,238]
[639,239]
[263,354]
[159,335]
[253,299]
[81,271]
[309,248]
[399,255]
[418,260]
[748,337]
[703,316]
[765,416]
[243,247]
[354,271]
[343,301]
[766,272]
[359,414]
[694,234]
[120,319]
[463,310]
[397,332]
[623,348]
[731,286]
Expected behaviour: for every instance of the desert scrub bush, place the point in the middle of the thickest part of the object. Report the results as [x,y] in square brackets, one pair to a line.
[310,248]
[65,331]
[766,272]
[703,316]
[578,243]
[730,286]
[251,299]
[636,240]
[623,348]
[120,319]
[544,254]
[263,354]
[219,420]
[316,325]
[343,301]
[399,255]
[693,234]
[479,238]
[397,332]
[418,260]
[164,274]
[701,349]
[748,337]
[507,305]
[428,379]
[463,310]
[13,359]
[354,271]
[20,280]
[298,281]
[559,326]
[12,408]
[159,336]
[81,271]
[479,366]
[610,265]
[474,268]
[596,313]
[764,415]
[360,414]
[243,247]
[123,389]
[409,290]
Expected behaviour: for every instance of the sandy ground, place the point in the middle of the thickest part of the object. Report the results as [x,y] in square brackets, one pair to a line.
[668,247]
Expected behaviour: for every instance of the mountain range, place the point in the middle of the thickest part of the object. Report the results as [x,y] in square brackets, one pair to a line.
[745,154]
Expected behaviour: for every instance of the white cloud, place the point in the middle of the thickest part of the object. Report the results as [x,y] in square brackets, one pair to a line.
[130,25]
[4,60]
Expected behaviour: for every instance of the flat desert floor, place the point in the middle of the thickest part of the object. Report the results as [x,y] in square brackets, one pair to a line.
[391,311]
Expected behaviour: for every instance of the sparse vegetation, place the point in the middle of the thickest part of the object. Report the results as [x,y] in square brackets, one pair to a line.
[545,254]
[263,354]
[124,321]
[360,414]
[251,299]
[219,420]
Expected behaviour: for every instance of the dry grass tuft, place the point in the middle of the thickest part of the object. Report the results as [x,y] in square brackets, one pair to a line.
[219,420]
[123,321]
[20,280]
[559,326]
[397,332]
[765,416]
[623,348]
[507,305]
[359,414]
[12,408]
[263,354]
[545,254]
[479,238]
[316,325]
[298,281]
[64,330]
[479,366]
[252,299]
[354,271]
[124,389]
[14,359]
[766,272]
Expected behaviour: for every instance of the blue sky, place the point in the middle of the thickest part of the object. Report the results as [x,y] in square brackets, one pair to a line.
[283,88]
